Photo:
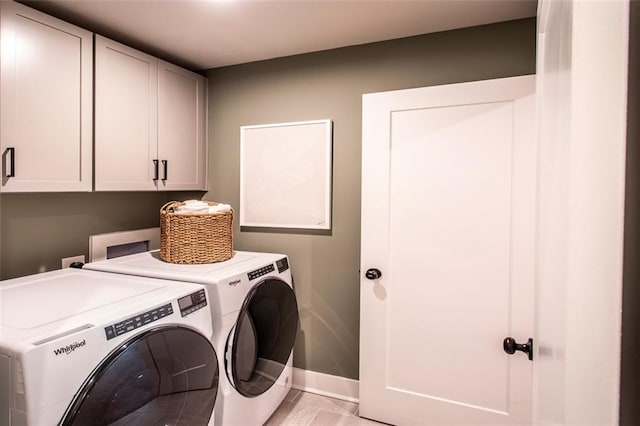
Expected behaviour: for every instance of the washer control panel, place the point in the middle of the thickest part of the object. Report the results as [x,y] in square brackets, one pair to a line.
[187,305]
[192,302]
[137,321]
[260,272]
[282,264]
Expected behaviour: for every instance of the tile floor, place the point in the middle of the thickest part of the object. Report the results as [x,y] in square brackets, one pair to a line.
[308,409]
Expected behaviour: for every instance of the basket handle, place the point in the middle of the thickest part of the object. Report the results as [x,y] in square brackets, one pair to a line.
[168,205]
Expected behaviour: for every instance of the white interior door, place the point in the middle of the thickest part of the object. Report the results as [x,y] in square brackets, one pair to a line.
[448,218]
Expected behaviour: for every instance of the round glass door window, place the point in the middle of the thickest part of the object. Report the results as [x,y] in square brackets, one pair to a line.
[165,376]
[261,342]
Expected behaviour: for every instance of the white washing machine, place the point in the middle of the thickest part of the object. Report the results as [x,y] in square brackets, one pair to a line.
[83,347]
[255,320]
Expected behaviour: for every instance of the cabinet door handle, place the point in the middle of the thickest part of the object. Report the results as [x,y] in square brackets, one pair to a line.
[165,171]
[155,169]
[11,153]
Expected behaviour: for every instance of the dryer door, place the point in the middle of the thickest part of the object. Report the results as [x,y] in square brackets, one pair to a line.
[261,342]
[167,375]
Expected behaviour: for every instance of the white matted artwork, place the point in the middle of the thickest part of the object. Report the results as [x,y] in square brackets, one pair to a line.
[285,175]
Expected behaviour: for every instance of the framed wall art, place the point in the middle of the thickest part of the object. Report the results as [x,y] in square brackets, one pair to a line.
[285,175]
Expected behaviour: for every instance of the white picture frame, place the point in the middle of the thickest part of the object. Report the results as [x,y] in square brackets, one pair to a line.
[285,175]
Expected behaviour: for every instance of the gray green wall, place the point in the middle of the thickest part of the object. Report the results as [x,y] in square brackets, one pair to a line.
[39,229]
[330,85]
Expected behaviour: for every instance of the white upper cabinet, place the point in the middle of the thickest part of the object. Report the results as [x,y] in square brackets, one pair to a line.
[126,117]
[150,122]
[182,114]
[46,84]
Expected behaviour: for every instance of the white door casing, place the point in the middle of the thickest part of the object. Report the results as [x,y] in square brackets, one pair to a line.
[448,216]
[582,69]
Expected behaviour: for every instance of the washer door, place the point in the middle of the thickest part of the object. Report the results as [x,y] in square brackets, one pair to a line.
[167,375]
[261,342]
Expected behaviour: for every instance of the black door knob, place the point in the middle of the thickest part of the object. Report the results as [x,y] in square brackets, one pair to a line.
[373,274]
[510,346]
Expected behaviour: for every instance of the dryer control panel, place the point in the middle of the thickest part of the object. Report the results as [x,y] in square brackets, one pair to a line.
[260,272]
[282,265]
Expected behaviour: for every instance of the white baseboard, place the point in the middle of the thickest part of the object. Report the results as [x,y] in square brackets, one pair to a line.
[326,384]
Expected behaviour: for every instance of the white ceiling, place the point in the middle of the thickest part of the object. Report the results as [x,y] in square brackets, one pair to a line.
[203,34]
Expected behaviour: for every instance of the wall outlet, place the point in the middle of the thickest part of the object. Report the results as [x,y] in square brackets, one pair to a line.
[66,261]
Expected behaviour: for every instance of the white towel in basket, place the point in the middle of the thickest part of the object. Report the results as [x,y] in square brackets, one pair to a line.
[201,207]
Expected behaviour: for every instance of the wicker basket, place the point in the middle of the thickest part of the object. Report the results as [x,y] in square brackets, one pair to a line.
[195,237]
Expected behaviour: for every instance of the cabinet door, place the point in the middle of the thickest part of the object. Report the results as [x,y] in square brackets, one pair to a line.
[182,145]
[125,118]
[46,84]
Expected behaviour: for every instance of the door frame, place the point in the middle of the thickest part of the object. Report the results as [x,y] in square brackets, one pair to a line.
[582,92]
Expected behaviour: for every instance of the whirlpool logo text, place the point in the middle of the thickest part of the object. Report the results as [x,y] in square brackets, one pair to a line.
[66,350]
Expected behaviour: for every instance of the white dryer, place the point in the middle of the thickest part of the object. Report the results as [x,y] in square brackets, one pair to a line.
[255,321]
[83,347]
